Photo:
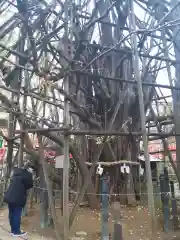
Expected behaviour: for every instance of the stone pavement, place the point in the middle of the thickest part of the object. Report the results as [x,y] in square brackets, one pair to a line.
[5,234]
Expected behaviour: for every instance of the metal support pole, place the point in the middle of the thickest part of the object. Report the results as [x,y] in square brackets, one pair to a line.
[132,23]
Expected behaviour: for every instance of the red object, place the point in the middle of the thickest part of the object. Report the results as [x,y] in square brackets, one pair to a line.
[49,154]
[2,154]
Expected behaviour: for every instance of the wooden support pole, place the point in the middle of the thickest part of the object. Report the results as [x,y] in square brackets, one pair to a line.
[132,24]
[12,126]
[176,80]
[67,10]
[31,197]
[22,139]
[10,145]
[174,207]
[19,79]
[44,203]
[49,188]
[105,205]
[66,181]
[117,235]
[164,186]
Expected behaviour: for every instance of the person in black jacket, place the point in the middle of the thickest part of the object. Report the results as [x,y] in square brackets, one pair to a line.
[16,196]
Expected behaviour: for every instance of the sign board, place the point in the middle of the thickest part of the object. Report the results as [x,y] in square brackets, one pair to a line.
[125,169]
[59,161]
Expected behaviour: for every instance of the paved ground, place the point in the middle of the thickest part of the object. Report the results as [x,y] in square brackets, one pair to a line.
[5,234]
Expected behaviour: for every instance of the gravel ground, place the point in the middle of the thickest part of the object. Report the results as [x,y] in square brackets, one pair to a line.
[135,223]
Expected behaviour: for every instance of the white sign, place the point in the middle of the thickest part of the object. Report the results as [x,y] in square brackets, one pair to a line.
[59,160]
[176,190]
[99,170]
[141,171]
[125,169]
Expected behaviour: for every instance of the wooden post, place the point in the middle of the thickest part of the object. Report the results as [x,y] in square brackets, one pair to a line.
[25,209]
[67,10]
[11,126]
[166,213]
[105,205]
[43,201]
[117,217]
[19,84]
[174,207]
[166,200]
[117,235]
[132,23]
[31,198]
[66,188]
[164,186]
[130,184]
[176,93]
[49,188]
[22,140]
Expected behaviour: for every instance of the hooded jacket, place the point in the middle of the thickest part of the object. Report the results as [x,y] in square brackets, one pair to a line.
[21,182]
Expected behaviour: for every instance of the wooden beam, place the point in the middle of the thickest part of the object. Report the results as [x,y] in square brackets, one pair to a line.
[109,164]
[144,84]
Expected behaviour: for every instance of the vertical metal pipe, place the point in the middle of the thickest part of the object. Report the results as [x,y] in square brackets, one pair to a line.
[132,23]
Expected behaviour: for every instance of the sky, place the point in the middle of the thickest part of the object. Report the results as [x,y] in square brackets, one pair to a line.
[162,77]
